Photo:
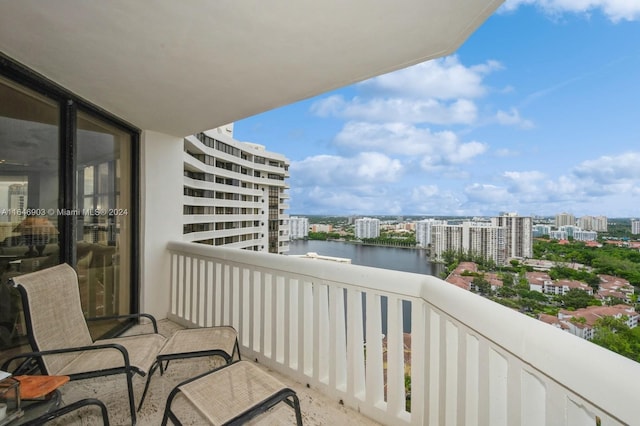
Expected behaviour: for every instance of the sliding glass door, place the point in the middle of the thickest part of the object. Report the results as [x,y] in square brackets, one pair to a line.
[67,195]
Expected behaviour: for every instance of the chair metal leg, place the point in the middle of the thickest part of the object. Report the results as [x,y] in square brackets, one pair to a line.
[132,403]
[146,386]
[168,414]
[296,407]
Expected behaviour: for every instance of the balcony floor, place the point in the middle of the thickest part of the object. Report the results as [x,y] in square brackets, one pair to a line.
[317,409]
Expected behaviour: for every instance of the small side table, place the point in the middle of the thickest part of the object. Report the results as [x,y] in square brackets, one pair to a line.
[39,395]
[39,387]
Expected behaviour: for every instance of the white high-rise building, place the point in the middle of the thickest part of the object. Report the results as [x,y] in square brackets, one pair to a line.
[580,235]
[367,228]
[423,231]
[635,226]
[298,227]
[558,235]
[18,196]
[540,230]
[518,234]
[569,229]
[477,238]
[234,193]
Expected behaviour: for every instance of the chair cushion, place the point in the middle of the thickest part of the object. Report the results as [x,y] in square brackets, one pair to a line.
[231,390]
[142,350]
[56,316]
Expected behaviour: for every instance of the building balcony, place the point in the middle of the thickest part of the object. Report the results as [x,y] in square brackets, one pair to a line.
[360,335]
[318,409]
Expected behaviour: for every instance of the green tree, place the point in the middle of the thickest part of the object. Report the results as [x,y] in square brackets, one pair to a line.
[483,286]
[576,299]
[614,334]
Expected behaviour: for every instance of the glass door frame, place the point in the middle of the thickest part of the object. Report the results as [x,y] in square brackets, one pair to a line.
[69,105]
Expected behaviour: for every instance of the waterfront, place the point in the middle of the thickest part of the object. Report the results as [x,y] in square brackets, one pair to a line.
[398,259]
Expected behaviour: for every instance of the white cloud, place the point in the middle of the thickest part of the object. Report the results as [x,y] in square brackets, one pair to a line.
[615,10]
[364,168]
[513,118]
[505,152]
[610,169]
[440,92]
[398,110]
[424,191]
[430,200]
[487,194]
[437,148]
[524,181]
[444,78]
[360,199]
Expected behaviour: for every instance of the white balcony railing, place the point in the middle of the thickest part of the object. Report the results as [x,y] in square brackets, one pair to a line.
[472,361]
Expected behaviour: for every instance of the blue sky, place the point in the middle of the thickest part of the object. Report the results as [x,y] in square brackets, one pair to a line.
[538,113]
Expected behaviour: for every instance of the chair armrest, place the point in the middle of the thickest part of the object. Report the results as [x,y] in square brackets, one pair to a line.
[149,316]
[37,354]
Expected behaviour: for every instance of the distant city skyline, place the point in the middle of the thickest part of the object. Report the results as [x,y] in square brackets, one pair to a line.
[536,113]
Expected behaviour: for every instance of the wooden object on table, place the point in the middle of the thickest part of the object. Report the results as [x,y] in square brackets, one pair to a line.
[34,387]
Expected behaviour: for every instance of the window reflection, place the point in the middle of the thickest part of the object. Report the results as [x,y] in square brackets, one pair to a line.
[102,227]
[29,231]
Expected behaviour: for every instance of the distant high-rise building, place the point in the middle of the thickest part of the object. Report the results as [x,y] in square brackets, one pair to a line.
[423,231]
[477,238]
[581,235]
[593,223]
[541,230]
[298,227]
[563,219]
[17,201]
[558,235]
[569,229]
[367,228]
[518,234]
[635,226]
[234,193]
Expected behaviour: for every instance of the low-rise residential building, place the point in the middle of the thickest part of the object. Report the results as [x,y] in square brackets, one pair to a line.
[538,281]
[614,288]
[581,322]
[320,227]
[562,287]
[542,282]
[466,272]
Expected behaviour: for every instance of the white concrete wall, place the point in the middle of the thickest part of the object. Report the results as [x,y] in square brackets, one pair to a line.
[161,192]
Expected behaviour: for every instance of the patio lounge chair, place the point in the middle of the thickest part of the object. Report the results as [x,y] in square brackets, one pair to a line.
[60,339]
[232,395]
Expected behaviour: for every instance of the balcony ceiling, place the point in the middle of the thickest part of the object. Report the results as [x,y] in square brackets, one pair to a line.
[179,67]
